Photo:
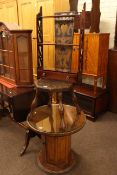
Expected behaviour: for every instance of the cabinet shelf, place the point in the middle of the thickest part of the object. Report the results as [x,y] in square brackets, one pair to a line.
[2,50]
[59,16]
[58,44]
[3,65]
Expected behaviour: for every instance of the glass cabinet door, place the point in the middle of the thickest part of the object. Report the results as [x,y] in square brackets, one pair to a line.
[1,63]
[16,55]
[0,41]
[10,42]
[4,41]
[23,58]
[7,62]
[1,58]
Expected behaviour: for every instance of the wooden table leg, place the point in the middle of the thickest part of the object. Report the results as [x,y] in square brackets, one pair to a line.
[56,155]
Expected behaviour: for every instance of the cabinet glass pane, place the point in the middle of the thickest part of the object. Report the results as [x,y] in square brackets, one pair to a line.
[15,59]
[5,42]
[12,74]
[11,59]
[0,42]
[10,43]
[0,89]
[6,58]
[6,72]
[23,52]
[1,70]
[1,59]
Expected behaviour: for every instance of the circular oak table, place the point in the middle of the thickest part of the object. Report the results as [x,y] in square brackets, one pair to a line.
[56,122]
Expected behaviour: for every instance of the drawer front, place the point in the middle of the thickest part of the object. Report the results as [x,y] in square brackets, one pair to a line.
[86,103]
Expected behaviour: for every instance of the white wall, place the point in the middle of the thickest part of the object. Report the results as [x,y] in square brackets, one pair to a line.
[108,10]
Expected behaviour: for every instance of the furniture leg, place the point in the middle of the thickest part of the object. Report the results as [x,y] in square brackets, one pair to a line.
[75,101]
[61,111]
[28,136]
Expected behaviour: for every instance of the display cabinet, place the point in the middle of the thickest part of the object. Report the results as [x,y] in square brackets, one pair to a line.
[15,56]
[95,57]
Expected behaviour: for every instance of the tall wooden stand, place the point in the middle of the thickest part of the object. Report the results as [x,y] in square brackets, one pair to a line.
[112,80]
[112,74]
[95,16]
[73,5]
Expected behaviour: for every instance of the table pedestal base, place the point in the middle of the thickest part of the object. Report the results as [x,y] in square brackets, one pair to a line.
[56,155]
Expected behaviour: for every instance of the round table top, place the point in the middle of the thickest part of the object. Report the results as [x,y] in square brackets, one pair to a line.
[47,120]
[52,85]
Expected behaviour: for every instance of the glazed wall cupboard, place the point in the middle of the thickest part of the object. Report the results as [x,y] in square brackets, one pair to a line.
[23,12]
[15,56]
[95,57]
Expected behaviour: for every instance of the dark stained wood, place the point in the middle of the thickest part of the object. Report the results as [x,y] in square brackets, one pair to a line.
[95,16]
[115,40]
[16,56]
[112,74]
[28,136]
[73,5]
[19,100]
[57,75]
[92,103]
[112,80]
[87,21]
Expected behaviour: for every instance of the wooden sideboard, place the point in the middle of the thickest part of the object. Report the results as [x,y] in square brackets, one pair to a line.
[18,101]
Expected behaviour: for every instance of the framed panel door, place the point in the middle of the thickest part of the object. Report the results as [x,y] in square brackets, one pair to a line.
[8,11]
[90,60]
[11,12]
[27,20]
[61,5]
[2,12]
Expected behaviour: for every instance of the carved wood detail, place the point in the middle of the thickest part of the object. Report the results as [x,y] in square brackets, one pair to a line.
[95,16]
[73,5]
